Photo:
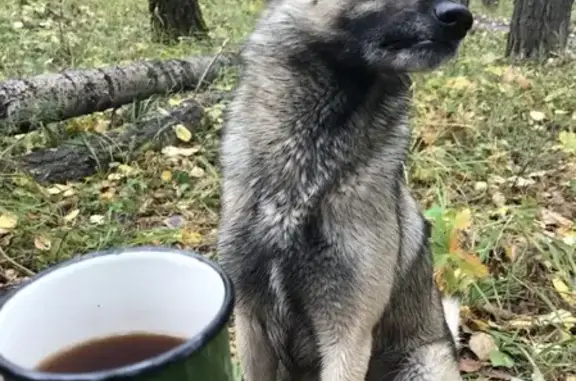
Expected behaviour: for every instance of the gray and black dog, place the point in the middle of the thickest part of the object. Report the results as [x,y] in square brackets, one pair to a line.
[326,247]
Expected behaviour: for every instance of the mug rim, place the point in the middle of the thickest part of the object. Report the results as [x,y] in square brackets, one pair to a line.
[189,347]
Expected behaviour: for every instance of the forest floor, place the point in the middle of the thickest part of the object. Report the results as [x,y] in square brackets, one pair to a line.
[493,164]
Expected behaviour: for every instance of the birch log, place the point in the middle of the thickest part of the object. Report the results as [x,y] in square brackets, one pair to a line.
[54,97]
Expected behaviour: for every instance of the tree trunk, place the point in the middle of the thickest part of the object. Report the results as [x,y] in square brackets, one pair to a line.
[490,4]
[75,160]
[538,28]
[55,97]
[172,19]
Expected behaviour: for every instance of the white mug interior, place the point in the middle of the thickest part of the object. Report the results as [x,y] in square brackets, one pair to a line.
[159,292]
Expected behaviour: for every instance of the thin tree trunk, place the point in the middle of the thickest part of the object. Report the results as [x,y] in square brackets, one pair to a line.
[172,19]
[490,4]
[538,28]
[75,160]
[54,97]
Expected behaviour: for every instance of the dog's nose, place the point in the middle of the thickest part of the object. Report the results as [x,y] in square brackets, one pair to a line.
[455,18]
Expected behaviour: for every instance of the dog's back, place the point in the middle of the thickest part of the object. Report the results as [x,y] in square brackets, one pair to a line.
[318,230]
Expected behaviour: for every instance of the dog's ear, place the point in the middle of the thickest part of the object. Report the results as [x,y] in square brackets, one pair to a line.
[452,313]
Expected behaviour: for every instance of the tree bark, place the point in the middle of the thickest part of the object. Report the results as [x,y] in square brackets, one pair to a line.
[172,19]
[24,103]
[490,4]
[538,28]
[75,160]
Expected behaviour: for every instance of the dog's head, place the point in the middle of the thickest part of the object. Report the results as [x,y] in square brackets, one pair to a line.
[398,35]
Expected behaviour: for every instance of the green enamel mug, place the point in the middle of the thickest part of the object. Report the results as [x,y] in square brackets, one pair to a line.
[89,318]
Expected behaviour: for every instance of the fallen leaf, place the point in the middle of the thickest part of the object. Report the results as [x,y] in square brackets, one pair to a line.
[482,344]
[197,172]
[571,377]
[166,176]
[172,151]
[567,141]
[97,219]
[498,358]
[537,116]
[549,217]
[115,176]
[564,291]
[560,317]
[8,221]
[459,83]
[498,199]
[480,186]
[42,243]
[127,170]
[469,365]
[182,132]
[190,237]
[174,101]
[57,189]
[72,215]
[463,220]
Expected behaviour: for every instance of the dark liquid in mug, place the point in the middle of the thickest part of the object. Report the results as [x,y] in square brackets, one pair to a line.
[109,352]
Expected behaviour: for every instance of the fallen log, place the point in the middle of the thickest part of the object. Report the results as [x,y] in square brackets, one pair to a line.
[78,159]
[25,103]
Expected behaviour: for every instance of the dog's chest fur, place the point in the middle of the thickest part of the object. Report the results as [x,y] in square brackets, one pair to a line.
[312,175]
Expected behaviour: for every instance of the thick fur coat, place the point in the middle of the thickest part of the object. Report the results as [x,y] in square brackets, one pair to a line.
[327,249]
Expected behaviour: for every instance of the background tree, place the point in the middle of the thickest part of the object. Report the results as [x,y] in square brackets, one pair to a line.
[491,4]
[538,28]
[171,19]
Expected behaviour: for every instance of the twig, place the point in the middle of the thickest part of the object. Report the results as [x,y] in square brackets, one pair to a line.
[208,68]
[22,268]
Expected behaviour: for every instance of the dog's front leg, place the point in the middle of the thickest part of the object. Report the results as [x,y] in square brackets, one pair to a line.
[345,352]
[257,357]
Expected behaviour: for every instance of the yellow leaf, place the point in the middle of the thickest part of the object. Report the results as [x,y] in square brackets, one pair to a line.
[182,132]
[458,83]
[8,221]
[463,220]
[42,243]
[472,265]
[72,215]
[126,169]
[166,176]
[174,101]
[497,70]
[537,116]
[568,141]
[564,291]
[190,237]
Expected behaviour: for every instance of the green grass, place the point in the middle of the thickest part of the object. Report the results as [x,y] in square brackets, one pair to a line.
[498,182]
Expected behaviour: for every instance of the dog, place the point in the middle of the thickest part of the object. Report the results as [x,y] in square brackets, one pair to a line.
[327,249]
